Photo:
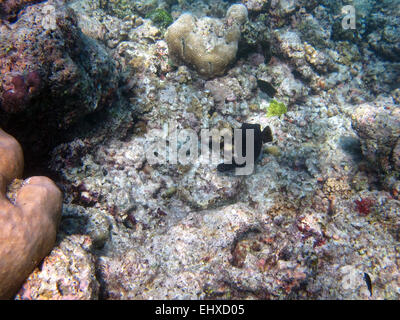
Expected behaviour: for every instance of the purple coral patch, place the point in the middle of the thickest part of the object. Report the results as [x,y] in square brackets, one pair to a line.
[16,99]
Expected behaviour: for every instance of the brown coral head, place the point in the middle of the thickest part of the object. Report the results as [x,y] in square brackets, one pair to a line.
[28,224]
[11,158]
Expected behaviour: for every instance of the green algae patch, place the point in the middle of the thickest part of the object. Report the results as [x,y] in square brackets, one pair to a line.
[160,17]
[276,109]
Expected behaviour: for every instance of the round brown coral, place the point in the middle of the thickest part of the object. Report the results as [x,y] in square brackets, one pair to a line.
[28,226]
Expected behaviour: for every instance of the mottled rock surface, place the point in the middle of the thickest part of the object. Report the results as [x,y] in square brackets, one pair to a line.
[52,75]
[378,124]
[9,9]
[68,273]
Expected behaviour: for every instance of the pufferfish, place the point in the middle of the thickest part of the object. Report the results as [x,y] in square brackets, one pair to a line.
[260,137]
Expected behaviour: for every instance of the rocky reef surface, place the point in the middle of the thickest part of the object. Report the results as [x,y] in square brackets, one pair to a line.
[52,75]
[320,211]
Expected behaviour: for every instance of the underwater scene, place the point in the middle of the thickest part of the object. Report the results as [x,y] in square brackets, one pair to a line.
[200,149]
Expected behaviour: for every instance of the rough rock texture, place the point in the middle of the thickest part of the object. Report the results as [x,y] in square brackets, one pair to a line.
[396,156]
[385,40]
[208,44]
[255,5]
[66,276]
[51,76]
[124,8]
[28,222]
[378,125]
[9,9]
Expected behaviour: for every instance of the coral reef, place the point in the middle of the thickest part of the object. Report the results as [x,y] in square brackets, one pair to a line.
[378,125]
[208,44]
[124,8]
[319,212]
[28,223]
[117,7]
[10,8]
[385,40]
[41,67]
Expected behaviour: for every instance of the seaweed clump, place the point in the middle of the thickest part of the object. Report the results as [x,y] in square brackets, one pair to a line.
[160,17]
[276,108]
[363,206]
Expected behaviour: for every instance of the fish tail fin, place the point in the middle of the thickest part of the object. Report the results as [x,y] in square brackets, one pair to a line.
[267,135]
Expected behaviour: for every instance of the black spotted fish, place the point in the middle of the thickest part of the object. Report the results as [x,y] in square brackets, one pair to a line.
[260,137]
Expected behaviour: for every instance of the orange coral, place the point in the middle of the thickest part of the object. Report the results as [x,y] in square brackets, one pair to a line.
[29,224]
